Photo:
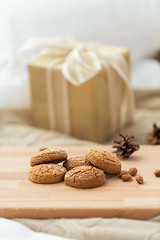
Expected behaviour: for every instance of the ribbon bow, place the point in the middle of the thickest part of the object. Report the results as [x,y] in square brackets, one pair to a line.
[79,62]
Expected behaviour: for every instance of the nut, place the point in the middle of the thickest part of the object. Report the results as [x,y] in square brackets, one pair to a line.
[126,177]
[139,179]
[123,172]
[133,171]
[43,148]
[157,173]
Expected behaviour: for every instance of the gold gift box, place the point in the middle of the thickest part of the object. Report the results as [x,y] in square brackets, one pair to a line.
[89,103]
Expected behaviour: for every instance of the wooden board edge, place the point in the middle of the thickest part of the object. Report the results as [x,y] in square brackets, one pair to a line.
[139,214]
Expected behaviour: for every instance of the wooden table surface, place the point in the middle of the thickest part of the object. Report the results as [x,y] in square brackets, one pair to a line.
[21,198]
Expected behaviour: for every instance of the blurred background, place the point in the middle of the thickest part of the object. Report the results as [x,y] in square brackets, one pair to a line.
[134,24]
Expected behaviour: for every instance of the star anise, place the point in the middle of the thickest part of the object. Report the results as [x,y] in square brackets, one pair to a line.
[153,137]
[125,146]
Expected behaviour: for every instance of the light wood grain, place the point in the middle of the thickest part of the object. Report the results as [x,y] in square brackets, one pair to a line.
[21,198]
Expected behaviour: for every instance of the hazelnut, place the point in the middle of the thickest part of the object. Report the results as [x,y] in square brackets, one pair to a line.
[157,173]
[123,172]
[139,179]
[126,177]
[133,171]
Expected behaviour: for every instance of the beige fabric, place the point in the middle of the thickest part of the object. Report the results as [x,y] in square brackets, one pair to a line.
[16,134]
[97,228]
[147,112]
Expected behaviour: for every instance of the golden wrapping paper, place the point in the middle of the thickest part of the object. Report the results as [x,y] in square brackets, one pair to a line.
[89,105]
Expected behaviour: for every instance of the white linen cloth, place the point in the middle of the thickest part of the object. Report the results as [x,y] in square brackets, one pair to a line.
[81,229]
[11,230]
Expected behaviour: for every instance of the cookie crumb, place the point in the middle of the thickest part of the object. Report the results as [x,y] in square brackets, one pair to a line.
[43,148]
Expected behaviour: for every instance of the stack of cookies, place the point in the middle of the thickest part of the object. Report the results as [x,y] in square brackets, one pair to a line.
[53,165]
[45,167]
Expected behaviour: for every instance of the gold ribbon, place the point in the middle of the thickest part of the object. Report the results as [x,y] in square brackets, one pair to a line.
[79,62]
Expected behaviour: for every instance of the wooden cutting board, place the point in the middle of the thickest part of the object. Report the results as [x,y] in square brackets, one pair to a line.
[21,198]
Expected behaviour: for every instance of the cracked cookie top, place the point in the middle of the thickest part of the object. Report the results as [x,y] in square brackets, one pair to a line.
[104,160]
[46,173]
[50,155]
[76,161]
[85,177]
